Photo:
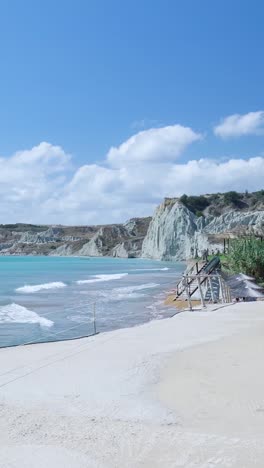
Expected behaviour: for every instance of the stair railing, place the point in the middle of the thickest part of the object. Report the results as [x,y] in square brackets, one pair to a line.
[189,277]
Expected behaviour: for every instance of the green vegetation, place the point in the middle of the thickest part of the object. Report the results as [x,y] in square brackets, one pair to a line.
[21,227]
[196,204]
[232,198]
[219,203]
[246,256]
[259,194]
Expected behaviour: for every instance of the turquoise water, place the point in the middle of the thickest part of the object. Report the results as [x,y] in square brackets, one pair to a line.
[55,298]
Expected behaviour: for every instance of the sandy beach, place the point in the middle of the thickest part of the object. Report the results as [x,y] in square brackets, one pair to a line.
[180,392]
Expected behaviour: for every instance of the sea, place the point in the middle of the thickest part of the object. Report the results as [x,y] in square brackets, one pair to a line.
[57,298]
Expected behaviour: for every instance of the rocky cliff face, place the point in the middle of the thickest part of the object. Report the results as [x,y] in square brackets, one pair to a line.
[118,240]
[104,241]
[171,232]
[175,233]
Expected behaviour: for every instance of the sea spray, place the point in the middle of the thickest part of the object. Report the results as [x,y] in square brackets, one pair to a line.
[100,278]
[15,313]
[39,287]
[70,304]
[123,293]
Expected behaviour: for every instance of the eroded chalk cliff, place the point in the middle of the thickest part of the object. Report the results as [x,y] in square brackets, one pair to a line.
[178,230]
[171,232]
[117,240]
[175,233]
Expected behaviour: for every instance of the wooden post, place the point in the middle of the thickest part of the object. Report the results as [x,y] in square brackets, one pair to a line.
[206,286]
[224,292]
[211,287]
[221,288]
[228,297]
[188,293]
[201,292]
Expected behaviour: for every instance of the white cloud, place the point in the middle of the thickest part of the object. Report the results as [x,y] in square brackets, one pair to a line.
[40,186]
[28,178]
[237,125]
[103,195]
[154,145]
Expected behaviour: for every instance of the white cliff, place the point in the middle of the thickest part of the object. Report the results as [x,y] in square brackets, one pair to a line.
[171,232]
[119,240]
[64,250]
[175,233]
[50,235]
[236,221]
[115,241]
[131,248]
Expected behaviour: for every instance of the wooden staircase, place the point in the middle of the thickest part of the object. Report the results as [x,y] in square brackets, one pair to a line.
[189,284]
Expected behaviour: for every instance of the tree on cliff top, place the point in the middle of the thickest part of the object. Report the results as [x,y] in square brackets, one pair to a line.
[196,204]
[232,198]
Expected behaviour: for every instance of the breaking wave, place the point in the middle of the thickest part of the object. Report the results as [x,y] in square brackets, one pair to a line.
[119,296]
[126,292]
[39,287]
[139,287]
[15,313]
[99,278]
[152,269]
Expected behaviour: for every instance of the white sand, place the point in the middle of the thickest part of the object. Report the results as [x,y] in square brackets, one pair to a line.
[181,392]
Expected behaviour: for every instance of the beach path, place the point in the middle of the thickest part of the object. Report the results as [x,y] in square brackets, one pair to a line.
[180,392]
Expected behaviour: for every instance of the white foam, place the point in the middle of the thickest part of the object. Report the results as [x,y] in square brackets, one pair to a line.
[39,287]
[99,278]
[152,269]
[15,313]
[118,296]
[126,292]
[139,287]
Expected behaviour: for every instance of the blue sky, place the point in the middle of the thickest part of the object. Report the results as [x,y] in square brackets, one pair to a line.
[87,75]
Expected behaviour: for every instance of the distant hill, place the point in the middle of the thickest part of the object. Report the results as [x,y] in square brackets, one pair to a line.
[117,240]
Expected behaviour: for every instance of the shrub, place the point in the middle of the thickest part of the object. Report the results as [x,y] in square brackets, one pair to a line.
[196,204]
[184,199]
[259,195]
[231,198]
[247,256]
[199,213]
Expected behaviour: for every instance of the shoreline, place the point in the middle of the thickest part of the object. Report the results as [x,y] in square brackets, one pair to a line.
[135,397]
[128,305]
[180,305]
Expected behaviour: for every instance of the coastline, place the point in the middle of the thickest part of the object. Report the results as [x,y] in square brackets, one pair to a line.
[150,395]
[43,298]
[179,304]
